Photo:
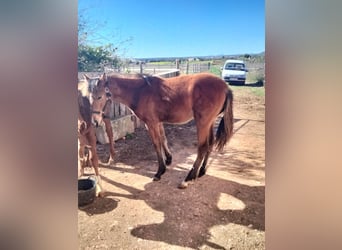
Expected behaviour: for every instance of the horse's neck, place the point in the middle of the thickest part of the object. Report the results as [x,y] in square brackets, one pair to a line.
[130,92]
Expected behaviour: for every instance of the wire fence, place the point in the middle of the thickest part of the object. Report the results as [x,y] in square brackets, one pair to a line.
[184,67]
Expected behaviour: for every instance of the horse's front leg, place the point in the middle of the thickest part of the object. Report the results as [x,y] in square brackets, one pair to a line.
[109,131]
[80,158]
[154,131]
[95,162]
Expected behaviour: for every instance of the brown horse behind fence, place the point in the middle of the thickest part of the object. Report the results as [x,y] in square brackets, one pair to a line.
[86,87]
[86,131]
[174,100]
[86,139]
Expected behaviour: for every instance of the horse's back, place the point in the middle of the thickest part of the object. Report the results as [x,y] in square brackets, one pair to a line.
[206,87]
[188,94]
[207,81]
[210,81]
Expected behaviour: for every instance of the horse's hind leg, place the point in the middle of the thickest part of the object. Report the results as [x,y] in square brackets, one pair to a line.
[166,149]
[202,152]
[203,168]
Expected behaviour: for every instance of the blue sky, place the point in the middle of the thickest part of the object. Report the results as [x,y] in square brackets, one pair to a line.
[177,28]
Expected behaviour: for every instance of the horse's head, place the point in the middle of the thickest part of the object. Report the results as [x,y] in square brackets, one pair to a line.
[100,100]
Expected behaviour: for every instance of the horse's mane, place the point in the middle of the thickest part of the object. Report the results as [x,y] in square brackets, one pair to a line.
[129,76]
[154,82]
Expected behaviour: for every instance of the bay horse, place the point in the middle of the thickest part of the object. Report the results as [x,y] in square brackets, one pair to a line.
[86,130]
[86,87]
[175,100]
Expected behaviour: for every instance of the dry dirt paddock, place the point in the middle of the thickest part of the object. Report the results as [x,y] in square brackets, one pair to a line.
[225,209]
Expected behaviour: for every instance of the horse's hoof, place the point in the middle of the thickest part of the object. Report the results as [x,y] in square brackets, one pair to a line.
[101,194]
[201,173]
[168,161]
[183,185]
[155,178]
[108,163]
[104,163]
[111,161]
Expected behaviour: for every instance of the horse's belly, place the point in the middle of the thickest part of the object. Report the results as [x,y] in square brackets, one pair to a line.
[179,117]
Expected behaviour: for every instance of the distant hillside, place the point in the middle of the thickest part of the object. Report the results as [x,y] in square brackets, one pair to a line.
[254,56]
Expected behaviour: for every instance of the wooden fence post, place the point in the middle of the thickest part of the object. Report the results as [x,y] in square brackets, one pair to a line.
[141,67]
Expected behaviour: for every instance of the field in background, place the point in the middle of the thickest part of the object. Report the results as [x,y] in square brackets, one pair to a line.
[255,65]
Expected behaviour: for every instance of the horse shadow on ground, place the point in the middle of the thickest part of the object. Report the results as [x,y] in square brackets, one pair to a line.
[190,214]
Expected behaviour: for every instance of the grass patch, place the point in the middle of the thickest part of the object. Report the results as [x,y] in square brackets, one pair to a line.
[129,136]
[255,76]
[256,91]
[215,70]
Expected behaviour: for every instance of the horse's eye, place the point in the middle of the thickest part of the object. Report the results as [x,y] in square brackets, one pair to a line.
[99,97]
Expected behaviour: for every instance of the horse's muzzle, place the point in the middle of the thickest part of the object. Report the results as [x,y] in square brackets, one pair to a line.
[95,123]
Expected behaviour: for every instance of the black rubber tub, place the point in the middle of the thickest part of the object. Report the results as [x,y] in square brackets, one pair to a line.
[86,191]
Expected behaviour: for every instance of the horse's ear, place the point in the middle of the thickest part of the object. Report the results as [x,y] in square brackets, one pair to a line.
[86,76]
[103,77]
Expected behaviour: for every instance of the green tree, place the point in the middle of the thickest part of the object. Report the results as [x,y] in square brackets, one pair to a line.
[94,51]
[247,56]
[91,58]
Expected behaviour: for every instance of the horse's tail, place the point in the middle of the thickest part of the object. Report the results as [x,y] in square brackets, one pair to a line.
[225,129]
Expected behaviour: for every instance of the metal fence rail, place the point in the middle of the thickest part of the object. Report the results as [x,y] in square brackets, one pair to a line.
[152,68]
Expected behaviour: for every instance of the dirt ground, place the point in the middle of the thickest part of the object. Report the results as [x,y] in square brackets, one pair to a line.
[225,209]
